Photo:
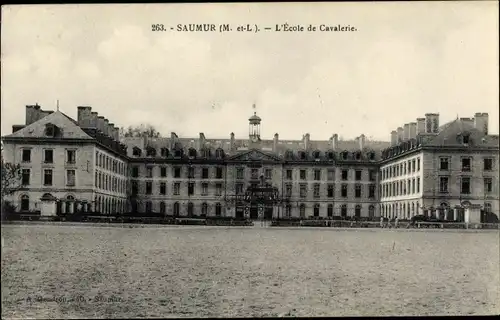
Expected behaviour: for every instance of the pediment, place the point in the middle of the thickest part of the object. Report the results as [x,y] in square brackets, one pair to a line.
[255,155]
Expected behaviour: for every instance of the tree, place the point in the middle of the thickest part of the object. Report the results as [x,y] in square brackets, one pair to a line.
[11,179]
[144,130]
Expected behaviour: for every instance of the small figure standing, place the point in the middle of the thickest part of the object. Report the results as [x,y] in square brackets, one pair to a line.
[396,222]
[381,222]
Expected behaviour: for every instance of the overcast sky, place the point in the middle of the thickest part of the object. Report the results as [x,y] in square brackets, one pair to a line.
[404,60]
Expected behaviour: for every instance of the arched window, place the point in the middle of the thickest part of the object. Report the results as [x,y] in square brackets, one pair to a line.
[371,211]
[345,155]
[162,207]
[358,155]
[343,210]
[331,155]
[192,153]
[302,155]
[357,211]
[316,210]
[218,209]
[176,209]
[371,155]
[302,210]
[190,209]
[316,154]
[25,202]
[204,209]
[219,153]
[206,153]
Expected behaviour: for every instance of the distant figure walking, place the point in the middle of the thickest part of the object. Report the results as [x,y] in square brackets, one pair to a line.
[381,222]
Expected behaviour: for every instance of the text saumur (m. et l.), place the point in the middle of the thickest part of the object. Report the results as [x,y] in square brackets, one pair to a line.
[251,27]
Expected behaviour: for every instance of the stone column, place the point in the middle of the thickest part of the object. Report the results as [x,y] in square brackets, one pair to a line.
[445,214]
[455,214]
[438,214]
[71,207]
[63,207]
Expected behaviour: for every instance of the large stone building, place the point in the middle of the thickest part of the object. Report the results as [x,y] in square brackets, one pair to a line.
[72,165]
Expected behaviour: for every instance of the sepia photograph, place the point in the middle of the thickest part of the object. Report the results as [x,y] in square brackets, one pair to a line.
[221,160]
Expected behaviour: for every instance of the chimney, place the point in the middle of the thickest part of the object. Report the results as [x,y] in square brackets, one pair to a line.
[100,123]
[394,138]
[105,127]
[432,123]
[306,140]
[31,115]
[116,133]
[232,141]
[406,132]
[471,122]
[275,142]
[420,126]
[173,140]
[362,140]
[481,122]
[413,130]
[201,141]
[400,131]
[335,141]
[93,120]
[84,116]
[111,130]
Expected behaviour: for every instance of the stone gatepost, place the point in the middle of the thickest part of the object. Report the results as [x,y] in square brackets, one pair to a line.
[473,213]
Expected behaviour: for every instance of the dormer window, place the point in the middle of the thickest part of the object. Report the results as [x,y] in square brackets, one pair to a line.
[51,130]
[344,155]
[371,156]
[289,154]
[150,152]
[164,152]
[178,153]
[331,155]
[316,154]
[206,153]
[302,155]
[219,153]
[465,139]
[192,153]
[358,155]
[136,152]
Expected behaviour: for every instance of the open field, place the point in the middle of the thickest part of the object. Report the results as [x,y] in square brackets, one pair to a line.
[83,271]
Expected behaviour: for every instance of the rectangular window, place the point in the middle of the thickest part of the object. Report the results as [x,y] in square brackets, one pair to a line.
[331,175]
[177,188]
[409,166]
[149,187]
[358,175]
[343,191]
[25,177]
[239,173]
[330,211]
[488,164]
[488,185]
[372,175]
[204,189]
[218,173]
[135,188]
[149,172]
[371,191]
[317,175]
[316,190]
[418,164]
[466,164]
[303,190]
[443,184]
[163,172]
[254,173]
[204,173]
[48,156]
[413,185]
[71,156]
[163,188]
[47,177]
[289,174]
[444,164]
[135,172]
[177,172]
[465,185]
[302,174]
[269,173]
[218,189]
[288,190]
[404,168]
[239,188]
[345,174]
[357,191]
[190,172]
[418,185]
[26,155]
[191,188]
[413,165]
[331,191]
[70,178]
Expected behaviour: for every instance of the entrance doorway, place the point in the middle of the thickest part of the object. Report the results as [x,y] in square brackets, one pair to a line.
[268,213]
[254,212]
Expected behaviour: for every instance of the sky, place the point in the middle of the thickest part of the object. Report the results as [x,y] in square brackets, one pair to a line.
[404,60]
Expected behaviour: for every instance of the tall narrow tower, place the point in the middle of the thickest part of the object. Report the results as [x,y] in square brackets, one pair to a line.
[254,127]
